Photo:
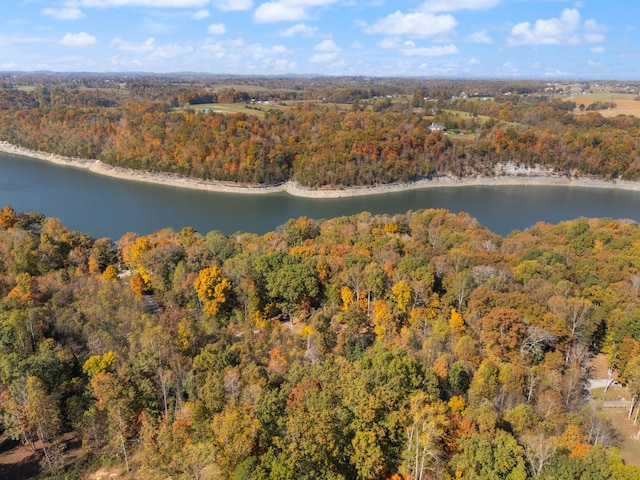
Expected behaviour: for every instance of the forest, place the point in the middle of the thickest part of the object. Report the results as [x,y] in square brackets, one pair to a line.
[414,346]
[419,346]
[319,132]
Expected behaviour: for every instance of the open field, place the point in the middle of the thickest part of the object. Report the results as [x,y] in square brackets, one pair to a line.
[628,443]
[626,103]
[462,114]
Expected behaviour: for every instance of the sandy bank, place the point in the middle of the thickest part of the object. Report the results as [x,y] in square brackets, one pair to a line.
[507,175]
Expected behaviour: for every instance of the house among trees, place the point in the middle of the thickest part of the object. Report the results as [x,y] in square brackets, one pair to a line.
[435,127]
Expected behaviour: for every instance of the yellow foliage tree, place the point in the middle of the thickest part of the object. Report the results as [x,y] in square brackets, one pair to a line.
[456,323]
[402,293]
[382,324]
[100,363]
[212,289]
[110,273]
[347,297]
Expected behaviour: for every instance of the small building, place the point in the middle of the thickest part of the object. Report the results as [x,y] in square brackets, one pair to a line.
[435,127]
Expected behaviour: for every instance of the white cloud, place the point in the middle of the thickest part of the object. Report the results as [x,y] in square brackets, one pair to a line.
[299,29]
[564,30]
[124,46]
[555,72]
[144,3]
[287,10]
[454,5]
[413,24]
[234,52]
[217,29]
[555,31]
[70,13]
[329,52]
[597,50]
[230,5]
[258,51]
[81,39]
[149,48]
[474,61]
[480,37]
[591,63]
[201,14]
[327,46]
[409,49]
[278,12]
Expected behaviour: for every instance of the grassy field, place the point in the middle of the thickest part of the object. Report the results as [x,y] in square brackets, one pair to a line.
[256,110]
[626,103]
[628,443]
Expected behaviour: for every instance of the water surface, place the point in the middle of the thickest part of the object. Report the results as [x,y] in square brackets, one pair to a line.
[108,207]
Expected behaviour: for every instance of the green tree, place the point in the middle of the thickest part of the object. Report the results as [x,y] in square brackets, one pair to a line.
[484,458]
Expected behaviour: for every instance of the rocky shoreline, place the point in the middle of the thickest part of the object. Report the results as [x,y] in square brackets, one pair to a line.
[505,175]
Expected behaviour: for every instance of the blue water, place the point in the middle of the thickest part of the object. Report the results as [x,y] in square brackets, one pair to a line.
[108,207]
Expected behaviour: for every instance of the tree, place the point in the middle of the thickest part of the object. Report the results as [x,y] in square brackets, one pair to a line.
[485,458]
[294,284]
[212,289]
[7,217]
[235,431]
[502,332]
[424,450]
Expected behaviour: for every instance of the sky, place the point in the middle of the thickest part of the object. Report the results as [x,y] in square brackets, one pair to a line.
[528,39]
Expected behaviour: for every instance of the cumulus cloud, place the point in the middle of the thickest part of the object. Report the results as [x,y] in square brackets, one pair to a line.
[328,49]
[150,49]
[300,29]
[217,29]
[201,14]
[454,5]
[567,29]
[63,13]
[81,39]
[287,10]
[144,3]
[327,46]
[597,50]
[230,5]
[480,37]
[410,49]
[235,50]
[271,12]
[418,24]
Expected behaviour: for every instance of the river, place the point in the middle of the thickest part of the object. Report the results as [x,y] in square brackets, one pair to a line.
[106,207]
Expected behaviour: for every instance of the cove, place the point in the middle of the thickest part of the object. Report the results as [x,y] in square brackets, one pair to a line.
[107,207]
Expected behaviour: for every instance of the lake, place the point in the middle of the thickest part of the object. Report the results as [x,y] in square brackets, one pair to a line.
[106,207]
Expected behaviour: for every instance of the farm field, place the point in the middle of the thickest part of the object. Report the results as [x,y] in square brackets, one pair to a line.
[626,103]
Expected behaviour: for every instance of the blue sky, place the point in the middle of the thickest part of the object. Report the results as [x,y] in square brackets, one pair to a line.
[596,39]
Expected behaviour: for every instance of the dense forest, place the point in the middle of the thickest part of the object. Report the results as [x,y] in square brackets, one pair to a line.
[319,132]
[415,346]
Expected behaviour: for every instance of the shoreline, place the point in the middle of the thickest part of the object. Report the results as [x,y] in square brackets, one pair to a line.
[505,175]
